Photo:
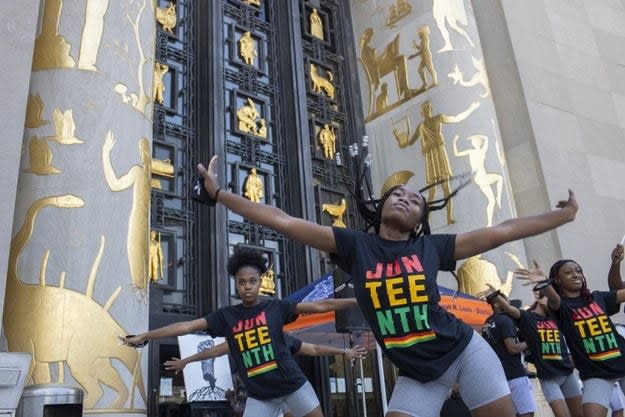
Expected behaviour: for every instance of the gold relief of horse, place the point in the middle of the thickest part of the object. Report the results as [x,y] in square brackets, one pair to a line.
[61,326]
[321,84]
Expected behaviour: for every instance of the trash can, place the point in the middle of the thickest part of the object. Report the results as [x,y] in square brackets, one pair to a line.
[51,400]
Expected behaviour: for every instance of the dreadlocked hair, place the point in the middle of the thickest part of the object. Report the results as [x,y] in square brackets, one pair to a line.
[555,269]
[371,209]
[243,257]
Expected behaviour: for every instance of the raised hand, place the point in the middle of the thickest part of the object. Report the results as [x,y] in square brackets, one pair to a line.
[483,295]
[617,254]
[570,204]
[210,176]
[532,276]
[133,341]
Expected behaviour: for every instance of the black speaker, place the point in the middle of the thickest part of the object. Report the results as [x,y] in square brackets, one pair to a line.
[350,319]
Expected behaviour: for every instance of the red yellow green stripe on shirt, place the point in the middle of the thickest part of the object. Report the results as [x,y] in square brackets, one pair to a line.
[261,369]
[604,356]
[409,339]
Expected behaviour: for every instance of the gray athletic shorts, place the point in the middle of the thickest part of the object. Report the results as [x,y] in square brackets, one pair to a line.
[598,391]
[522,394]
[561,387]
[300,403]
[476,363]
[616,402]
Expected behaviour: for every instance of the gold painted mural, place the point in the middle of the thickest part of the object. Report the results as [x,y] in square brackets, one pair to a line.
[138,177]
[65,327]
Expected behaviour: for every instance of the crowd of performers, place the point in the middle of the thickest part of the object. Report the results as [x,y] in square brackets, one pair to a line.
[393,267]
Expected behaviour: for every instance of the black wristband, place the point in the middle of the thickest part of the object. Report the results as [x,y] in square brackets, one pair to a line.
[542,284]
[217,194]
[491,297]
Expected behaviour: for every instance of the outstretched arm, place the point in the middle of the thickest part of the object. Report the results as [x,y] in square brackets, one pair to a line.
[309,349]
[513,346]
[493,296]
[614,275]
[176,364]
[537,276]
[304,231]
[175,329]
[323,306]
[481,240]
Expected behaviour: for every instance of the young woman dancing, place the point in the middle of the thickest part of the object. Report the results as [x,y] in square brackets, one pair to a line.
[549,353]
[255,338]
[394,275]
[597,348]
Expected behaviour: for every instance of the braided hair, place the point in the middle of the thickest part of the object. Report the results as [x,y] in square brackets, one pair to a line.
[371,209]
[555,269]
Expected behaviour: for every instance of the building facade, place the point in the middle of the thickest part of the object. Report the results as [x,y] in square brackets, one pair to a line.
[304,101]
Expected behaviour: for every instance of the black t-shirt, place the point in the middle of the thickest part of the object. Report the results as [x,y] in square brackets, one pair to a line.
[498,328]
[258,347]
[395,284]
[292,343]
[598,349]
[542,335]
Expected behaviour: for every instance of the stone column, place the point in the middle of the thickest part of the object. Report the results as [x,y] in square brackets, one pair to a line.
[77,270]
[17,29]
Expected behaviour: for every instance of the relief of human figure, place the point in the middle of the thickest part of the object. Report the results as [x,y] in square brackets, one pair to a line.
[484,180]
[424,52]
[138,177]
[254,188]
[92,33]
[452,13]
[429,133]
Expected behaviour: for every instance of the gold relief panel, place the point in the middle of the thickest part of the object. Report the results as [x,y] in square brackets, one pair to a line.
[321,84]
[336,211]
[253,188]
[158,85]
[395,179]
[480,77]
[327,140]
[252,2]
[64,127]
[397,11]
[316,24]
[52,49]
[450,13]
[167,17]
[156,256]
[268,282]
[162,168]
[485,181]
[58,336]
[247,48]
[380,68]
[34,112]
[138,100]
[476,274]
[426,65]
[40,157]
[249,120]
[429,134]
[138,178]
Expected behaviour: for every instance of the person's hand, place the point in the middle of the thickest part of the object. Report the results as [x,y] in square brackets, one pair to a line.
[133,341]
[569,205]
[483,295]
[357,352]
[210,176]
[617,254]
[532,276]
[175,364]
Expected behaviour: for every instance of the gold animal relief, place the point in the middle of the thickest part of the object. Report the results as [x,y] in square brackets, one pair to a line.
[249,120]
[397,11]
[320,84]
[252,2]
[58,336]
[40,157]
[65,127]
[34,112]
[336,211]
[167,17]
